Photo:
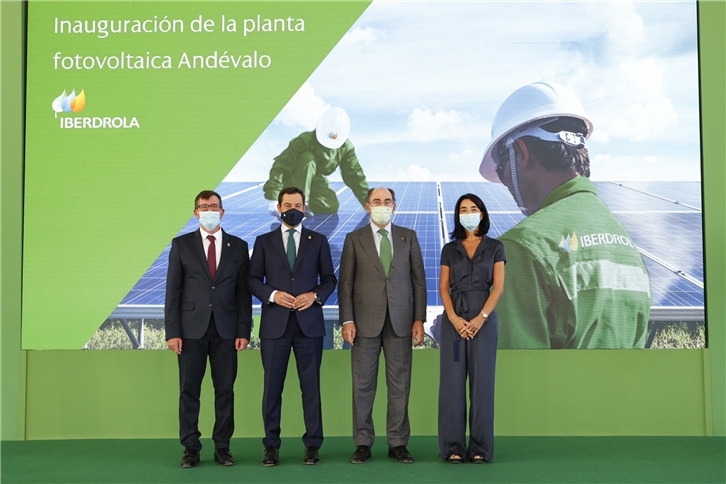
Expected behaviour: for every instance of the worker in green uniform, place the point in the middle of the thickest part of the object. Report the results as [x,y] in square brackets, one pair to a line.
[312,157]
[575,278]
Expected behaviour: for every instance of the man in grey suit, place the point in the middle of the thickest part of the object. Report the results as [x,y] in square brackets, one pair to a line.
[382,299]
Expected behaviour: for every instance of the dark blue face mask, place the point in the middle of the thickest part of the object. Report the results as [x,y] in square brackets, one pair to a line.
[292,217]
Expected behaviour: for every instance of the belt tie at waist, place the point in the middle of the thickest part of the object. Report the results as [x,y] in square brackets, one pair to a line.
[460,298]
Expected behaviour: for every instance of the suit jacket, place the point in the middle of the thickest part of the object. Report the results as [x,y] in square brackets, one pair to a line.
[313,272]
[192,296]
[365,292]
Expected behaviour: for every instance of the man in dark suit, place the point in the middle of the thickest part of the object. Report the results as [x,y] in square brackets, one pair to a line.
[382,297]
[207,314]
[291,272]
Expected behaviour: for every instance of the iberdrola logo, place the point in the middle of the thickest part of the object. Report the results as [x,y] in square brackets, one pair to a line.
[69,103]
[333,135]
[570,243]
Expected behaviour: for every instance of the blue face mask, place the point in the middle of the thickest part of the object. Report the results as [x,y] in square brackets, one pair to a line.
[209,220]
[470,221]
[292,217]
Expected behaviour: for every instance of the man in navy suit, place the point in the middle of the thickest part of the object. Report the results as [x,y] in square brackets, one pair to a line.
[291,272]
[207,314]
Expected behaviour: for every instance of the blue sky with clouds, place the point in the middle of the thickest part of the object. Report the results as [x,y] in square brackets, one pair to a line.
[422,81]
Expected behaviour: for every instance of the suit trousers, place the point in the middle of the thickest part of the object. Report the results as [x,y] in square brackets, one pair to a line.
[308,357]
[192,366]
[365,355]
[475,358]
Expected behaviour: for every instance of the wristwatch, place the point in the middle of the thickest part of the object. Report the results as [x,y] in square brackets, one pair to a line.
[484,315]
[317,299]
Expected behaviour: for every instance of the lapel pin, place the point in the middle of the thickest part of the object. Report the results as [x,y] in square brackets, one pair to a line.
[310,237]
[227,244]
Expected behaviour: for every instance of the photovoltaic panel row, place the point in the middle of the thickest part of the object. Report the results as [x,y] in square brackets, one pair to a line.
[687,192]
[674,238]
[150,288]
[246,216]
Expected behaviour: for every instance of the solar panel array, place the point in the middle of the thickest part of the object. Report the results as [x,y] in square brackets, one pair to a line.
[663,218]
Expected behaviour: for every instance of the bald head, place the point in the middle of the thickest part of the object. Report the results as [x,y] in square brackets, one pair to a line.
[381,194]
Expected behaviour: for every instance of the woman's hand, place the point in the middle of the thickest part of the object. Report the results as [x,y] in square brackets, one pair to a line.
[476,324]
[461,326]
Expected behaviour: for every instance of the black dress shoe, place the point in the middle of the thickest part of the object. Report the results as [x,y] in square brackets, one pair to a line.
[311,455]
[361,455]
[190,458]
[224,457]
[272,455]
[401,454]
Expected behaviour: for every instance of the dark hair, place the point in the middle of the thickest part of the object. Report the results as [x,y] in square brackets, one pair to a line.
[206,195]
[554,156]
[370,190]
[459,232]
[290,191]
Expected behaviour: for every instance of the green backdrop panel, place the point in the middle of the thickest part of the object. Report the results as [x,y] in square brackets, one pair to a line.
[63,379]
[125,394]
[11,218]
[712,46]
[102,203]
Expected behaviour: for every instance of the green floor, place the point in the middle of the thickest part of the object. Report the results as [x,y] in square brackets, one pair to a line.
[518,459]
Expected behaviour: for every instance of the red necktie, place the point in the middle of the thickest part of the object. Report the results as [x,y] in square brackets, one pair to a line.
[212,256]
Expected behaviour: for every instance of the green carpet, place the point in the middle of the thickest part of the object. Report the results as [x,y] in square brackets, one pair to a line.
[518,459]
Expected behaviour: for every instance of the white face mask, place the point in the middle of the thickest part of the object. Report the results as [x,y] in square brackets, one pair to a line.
[470,221]
[209,220]
[381,214]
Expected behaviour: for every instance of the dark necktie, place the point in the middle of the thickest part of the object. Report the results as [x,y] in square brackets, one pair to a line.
[386,255]
[291,248]
[212,256]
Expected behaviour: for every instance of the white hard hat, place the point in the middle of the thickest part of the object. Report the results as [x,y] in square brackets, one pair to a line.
[534,102]
[333,128]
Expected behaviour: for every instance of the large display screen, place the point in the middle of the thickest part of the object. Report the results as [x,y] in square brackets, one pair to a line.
[135,107]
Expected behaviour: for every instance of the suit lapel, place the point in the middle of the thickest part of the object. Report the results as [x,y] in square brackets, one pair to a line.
[369,245]
[226,250]
[199,249]
[280,247]
[399,247]
[305,239]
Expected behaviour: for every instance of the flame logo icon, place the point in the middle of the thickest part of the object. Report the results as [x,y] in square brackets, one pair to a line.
[69,103]
[332,135]
[570,243]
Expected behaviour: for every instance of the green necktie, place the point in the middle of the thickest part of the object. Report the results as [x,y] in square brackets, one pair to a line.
[386,256]
[291,248]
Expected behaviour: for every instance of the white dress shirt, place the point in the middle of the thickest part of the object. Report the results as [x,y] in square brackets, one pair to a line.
[217,243]
[378,237]
[285,236]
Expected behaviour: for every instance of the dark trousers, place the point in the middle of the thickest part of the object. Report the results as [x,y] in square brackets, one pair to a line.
[365,355]
[275,357]
[475,359]
[192,366]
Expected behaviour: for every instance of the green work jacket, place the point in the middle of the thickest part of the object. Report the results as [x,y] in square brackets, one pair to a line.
[574,277]
[305,148]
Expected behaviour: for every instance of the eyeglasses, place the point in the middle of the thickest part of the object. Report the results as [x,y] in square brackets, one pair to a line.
[501,157]
[205,207]
[378,203]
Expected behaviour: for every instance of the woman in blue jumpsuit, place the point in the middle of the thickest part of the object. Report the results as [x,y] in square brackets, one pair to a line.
[472,280]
